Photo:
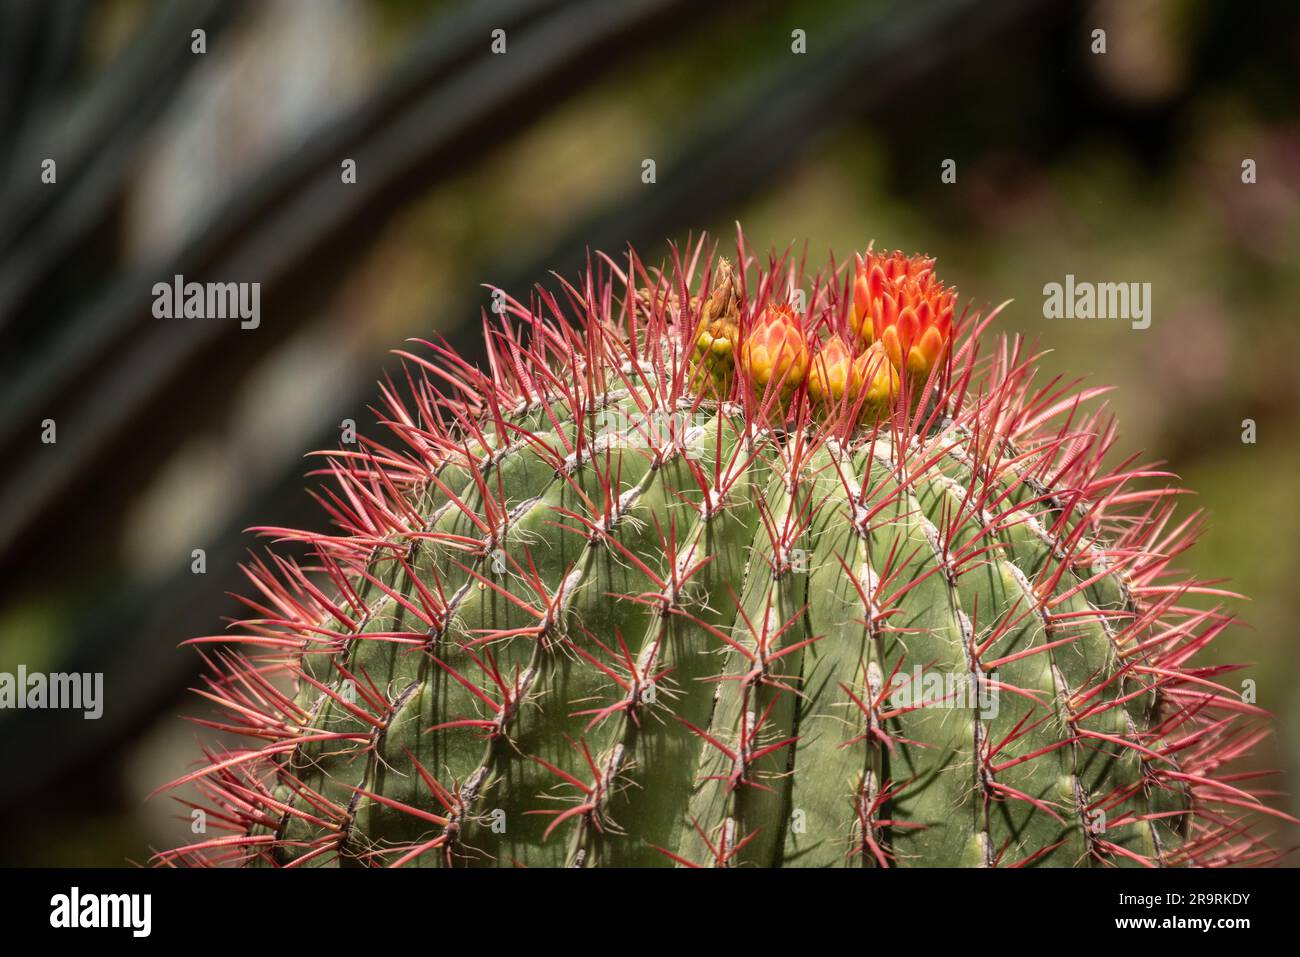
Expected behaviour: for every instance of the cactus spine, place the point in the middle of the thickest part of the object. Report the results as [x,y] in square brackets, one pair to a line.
[708,580]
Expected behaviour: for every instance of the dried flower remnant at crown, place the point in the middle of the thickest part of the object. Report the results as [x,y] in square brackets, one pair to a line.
[718,331]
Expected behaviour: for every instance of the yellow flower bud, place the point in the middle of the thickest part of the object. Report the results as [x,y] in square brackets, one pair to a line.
[881,380]
[833,374]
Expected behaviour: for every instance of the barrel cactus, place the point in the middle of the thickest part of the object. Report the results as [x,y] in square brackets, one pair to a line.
[724,565]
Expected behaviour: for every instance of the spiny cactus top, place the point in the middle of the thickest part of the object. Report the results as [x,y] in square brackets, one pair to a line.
[730,565]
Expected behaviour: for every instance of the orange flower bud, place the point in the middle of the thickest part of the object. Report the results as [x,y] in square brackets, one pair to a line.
[898,301]
[776,351]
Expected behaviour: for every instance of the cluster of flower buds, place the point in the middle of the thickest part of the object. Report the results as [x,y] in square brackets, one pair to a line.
[866,383]
[899,323]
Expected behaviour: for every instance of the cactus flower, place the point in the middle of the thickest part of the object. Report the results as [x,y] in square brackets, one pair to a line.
[898,301]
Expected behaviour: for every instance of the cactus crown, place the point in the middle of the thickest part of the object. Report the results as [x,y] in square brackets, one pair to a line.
[742,565]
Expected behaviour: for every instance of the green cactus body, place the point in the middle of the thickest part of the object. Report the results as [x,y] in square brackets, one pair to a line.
[591,616]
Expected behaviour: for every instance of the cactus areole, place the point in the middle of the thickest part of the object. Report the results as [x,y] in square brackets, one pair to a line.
[726,563]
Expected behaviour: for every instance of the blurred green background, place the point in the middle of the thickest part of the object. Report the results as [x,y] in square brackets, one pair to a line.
[472,167]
